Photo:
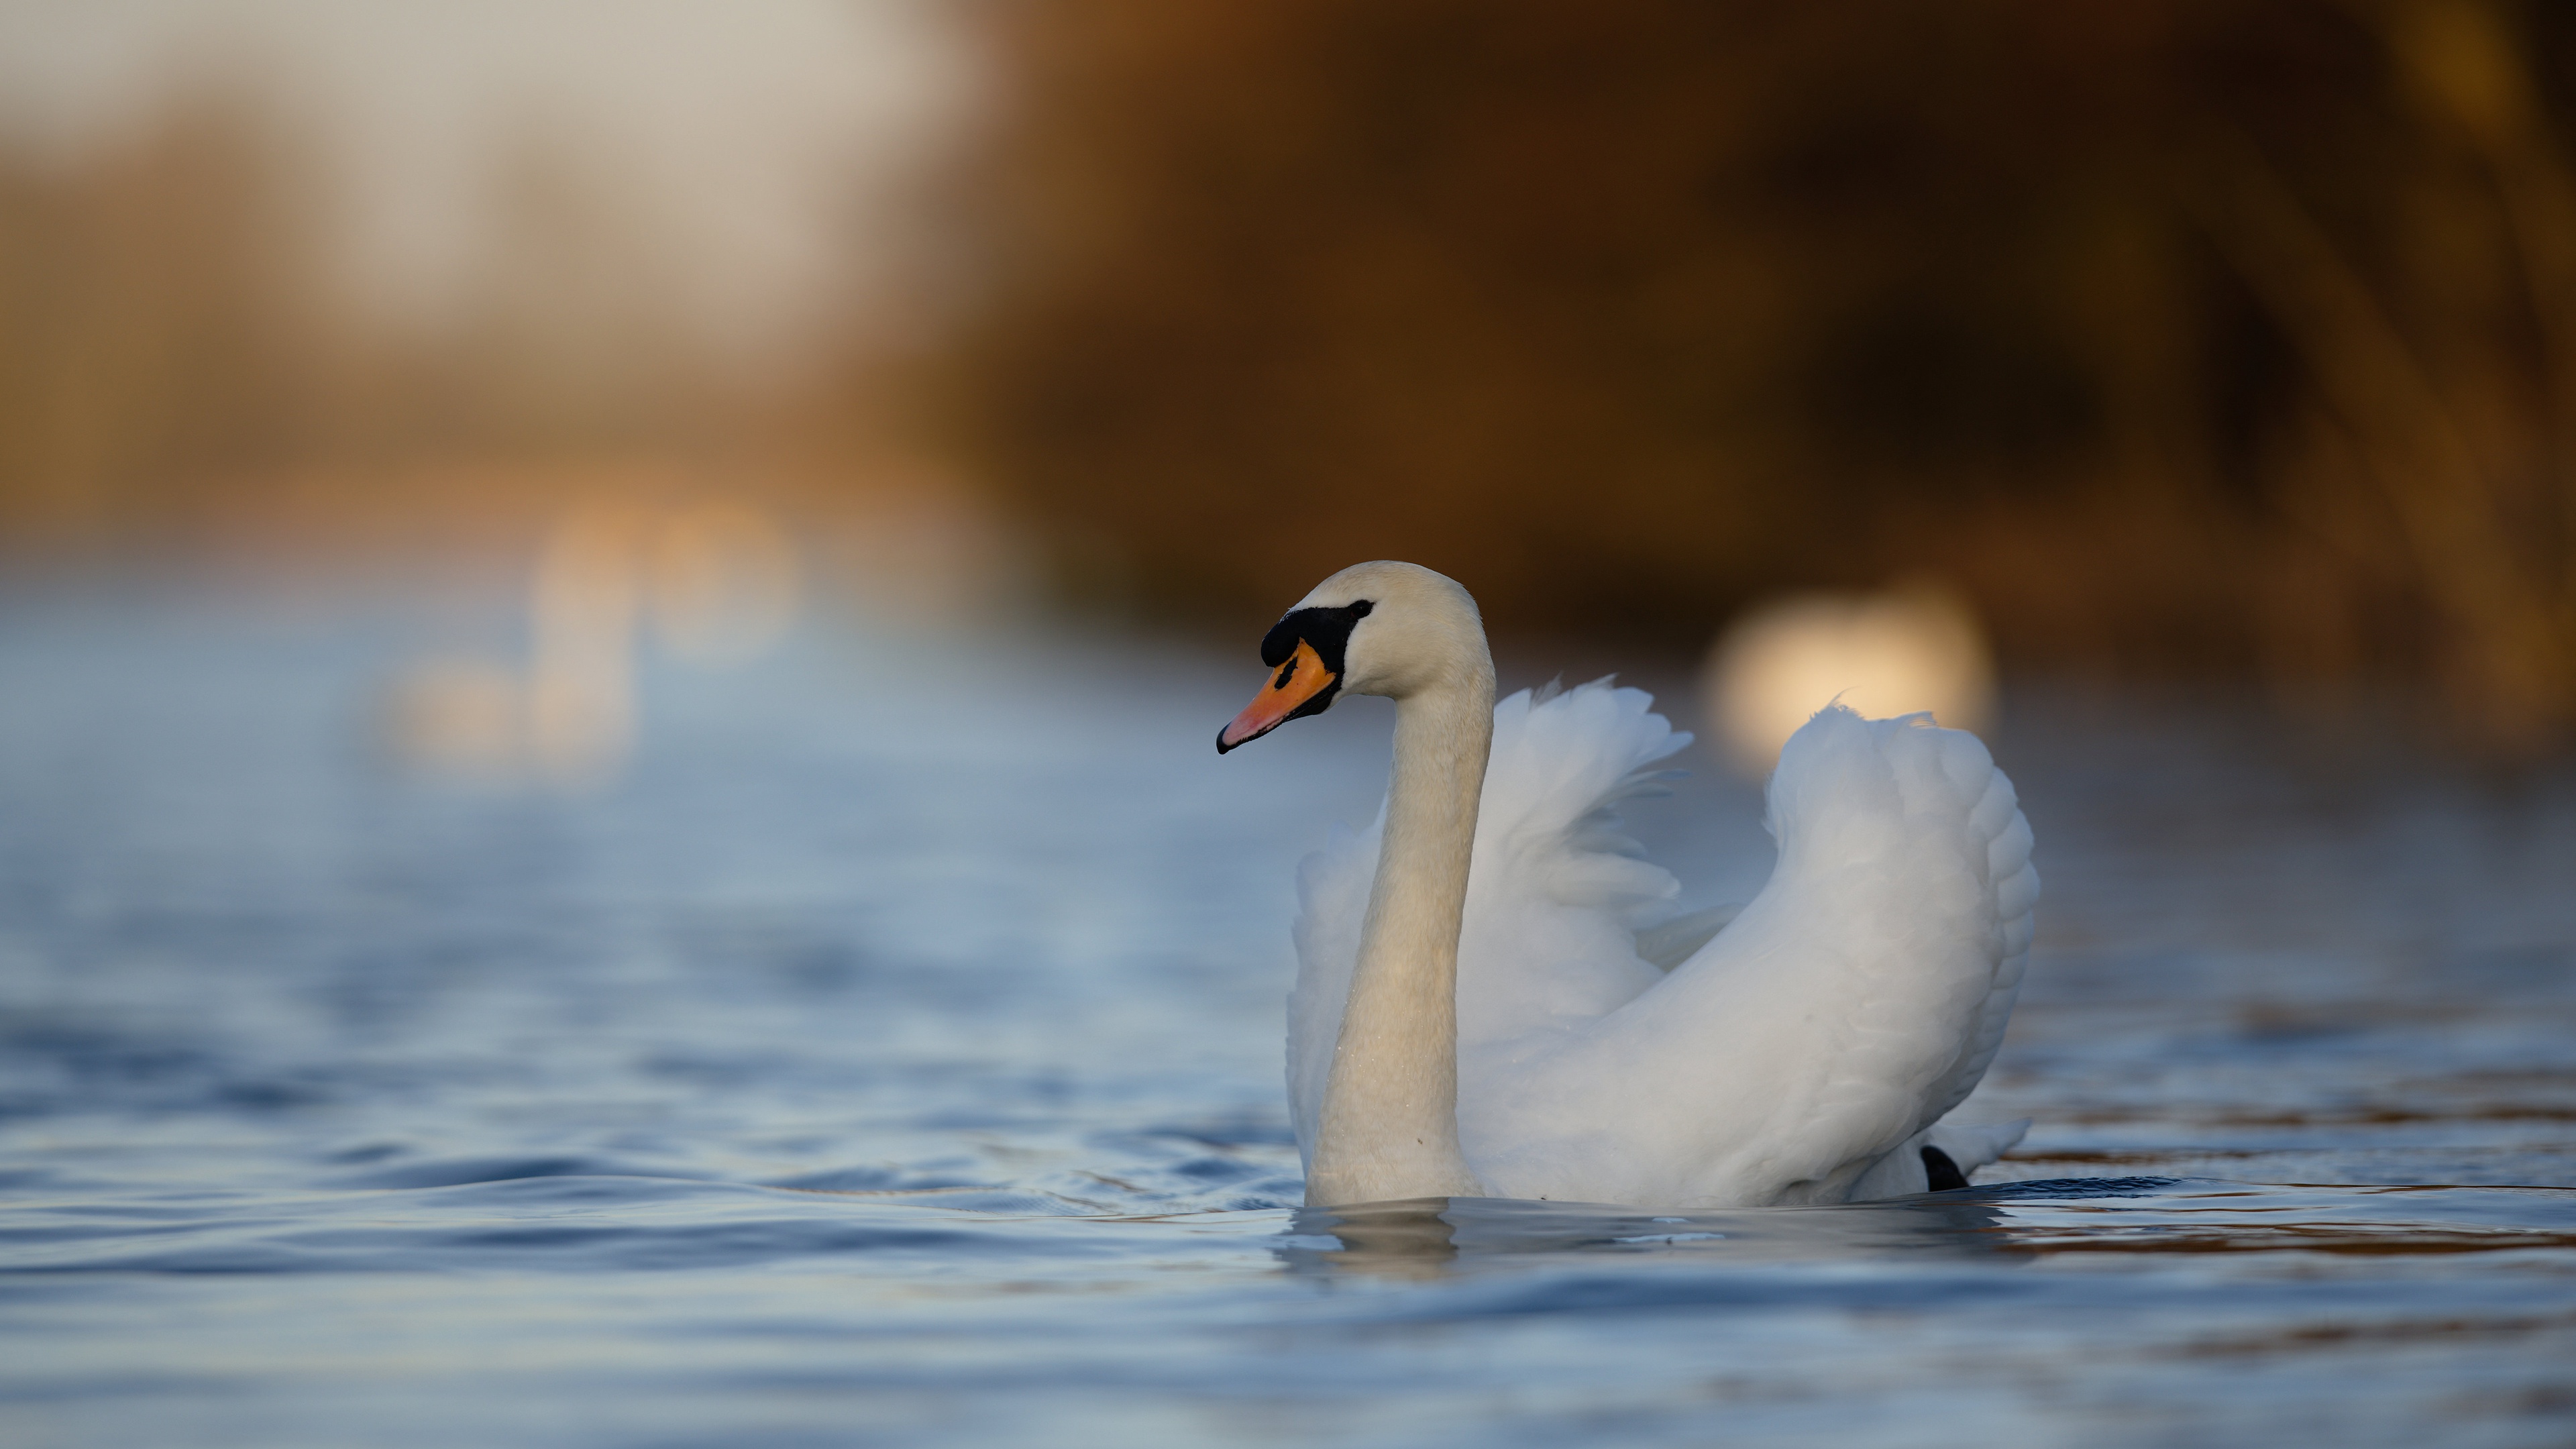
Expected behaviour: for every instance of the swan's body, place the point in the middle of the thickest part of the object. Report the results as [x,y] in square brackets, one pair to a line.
[1476,1011]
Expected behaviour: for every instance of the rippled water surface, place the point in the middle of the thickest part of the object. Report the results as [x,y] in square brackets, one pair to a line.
[892,1055]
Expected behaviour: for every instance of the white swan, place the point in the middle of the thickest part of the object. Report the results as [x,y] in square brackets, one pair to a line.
[1482,1007]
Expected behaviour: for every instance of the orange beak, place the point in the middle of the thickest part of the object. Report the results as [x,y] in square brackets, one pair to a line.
[1298,681]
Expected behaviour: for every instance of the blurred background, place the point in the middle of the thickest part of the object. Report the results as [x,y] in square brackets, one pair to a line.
[2160,340]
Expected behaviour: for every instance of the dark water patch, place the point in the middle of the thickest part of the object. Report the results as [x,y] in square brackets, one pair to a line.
[458,1172]
[2075,1187]
[1232,1135]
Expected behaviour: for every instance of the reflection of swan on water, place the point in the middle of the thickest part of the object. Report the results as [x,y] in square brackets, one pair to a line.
[1509,1030]
[1423,1239]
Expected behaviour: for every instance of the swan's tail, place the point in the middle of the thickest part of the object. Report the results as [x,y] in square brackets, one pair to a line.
[1938,1158]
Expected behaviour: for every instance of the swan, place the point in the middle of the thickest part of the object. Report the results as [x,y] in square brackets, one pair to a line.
[1493,1000]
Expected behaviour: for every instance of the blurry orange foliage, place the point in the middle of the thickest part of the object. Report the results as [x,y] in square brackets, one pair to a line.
[2182,335]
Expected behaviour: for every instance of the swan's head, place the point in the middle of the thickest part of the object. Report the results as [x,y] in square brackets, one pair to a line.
[1395,629]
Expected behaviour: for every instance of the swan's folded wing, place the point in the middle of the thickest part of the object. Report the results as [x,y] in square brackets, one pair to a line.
[1555,897]
[1556,894]
[1848,1006]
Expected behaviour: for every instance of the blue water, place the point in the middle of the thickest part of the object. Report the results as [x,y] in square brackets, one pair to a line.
[891,1055]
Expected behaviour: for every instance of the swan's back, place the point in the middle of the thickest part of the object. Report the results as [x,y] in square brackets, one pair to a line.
[1856,1000]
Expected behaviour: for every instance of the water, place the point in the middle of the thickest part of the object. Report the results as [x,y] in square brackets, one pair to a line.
[892,1056]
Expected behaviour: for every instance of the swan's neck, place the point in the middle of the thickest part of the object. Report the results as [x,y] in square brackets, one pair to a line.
[1390,1121]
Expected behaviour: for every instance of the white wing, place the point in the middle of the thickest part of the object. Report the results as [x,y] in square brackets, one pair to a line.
[1997,820]
[1554,895]
[1854,1001]
[1857,999]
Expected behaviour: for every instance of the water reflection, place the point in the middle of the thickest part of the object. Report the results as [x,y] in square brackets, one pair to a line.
[2204,1217]
[1427,1239]
[1423,1238]
[1412,1239]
